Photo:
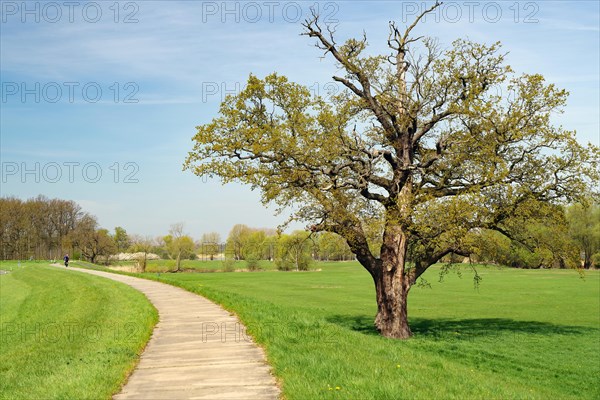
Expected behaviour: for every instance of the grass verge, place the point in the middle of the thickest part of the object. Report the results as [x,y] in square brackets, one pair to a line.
[66,334]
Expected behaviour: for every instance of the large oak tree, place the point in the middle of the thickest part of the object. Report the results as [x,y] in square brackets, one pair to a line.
[424,146]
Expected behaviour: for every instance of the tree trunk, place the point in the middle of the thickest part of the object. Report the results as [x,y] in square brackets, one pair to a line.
[177,262]
[587,259]
[392,283]
[392,301]
[297,268]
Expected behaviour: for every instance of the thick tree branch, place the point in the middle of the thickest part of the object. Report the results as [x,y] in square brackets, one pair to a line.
[313,30]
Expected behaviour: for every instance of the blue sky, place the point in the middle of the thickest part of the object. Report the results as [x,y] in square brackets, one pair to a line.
[90,87]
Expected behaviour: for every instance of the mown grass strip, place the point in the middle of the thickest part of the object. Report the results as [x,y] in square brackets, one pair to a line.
[66,334]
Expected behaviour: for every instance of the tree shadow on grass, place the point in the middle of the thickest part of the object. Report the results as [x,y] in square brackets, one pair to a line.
[468,328]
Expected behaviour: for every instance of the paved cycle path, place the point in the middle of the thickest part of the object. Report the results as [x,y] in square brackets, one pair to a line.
[197,350]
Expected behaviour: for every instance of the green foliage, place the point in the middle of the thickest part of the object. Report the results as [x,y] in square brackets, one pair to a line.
[596,260]
[331,247]
[178,245]
[91,241]
[252,263]
[210,244]
[142,245]
[565,240]
[38,227]
[122,240]
[244,243]
[282,264]
[236,241]
[228,264]
[536,243]
[294,252]
[254,249]
[584,228]
[182,247]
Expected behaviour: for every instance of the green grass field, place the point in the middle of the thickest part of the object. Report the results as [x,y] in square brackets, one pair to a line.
[523,334]
[67,335]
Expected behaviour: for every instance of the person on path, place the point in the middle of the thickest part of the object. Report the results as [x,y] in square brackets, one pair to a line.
[66,258]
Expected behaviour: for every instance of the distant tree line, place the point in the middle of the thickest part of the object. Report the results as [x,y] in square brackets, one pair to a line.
[569,238]
[294,251]
[43,228]
[573,242]
[36,227]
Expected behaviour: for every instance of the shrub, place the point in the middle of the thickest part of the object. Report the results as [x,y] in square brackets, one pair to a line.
[596,260]
[228,264]
[252,263]
[283,264]
[141,264]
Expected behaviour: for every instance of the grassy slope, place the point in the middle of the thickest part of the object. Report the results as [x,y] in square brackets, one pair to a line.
[523,334]
[67,334]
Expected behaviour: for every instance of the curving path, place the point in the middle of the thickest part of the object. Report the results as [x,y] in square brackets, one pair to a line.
[197,350]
